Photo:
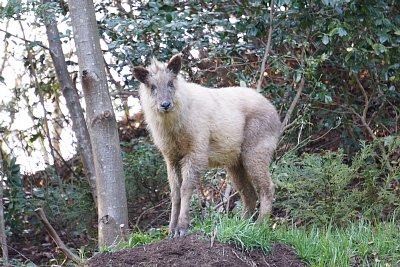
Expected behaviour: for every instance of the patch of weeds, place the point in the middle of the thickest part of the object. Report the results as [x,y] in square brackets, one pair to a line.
[329,188]
[137,239]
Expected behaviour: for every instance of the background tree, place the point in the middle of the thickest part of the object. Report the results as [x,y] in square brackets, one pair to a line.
[3,235]
[112,205]
[71,96]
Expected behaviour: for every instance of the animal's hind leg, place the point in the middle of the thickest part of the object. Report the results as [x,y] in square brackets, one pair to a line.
[256,162]
[244,186]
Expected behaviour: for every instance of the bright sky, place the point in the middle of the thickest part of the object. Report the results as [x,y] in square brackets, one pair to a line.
[17,75]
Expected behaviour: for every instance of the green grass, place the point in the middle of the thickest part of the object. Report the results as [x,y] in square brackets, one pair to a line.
[137,239]
[360,243]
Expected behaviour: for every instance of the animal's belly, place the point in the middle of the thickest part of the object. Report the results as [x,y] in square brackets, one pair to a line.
[224,156]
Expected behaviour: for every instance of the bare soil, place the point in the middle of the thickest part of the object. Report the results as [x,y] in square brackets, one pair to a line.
[195,250]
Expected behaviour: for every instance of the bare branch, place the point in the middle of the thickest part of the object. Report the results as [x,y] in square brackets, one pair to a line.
[363,117]
[293,104]
[34,75]
[299,89]
[147,210]
[24,39]
[125,93]
[225,201]
[122,10]
[267,47]
[42,216]
[287,126]
[366,99]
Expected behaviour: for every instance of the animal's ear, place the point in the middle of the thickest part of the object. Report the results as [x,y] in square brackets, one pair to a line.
[141,74]
[175,64]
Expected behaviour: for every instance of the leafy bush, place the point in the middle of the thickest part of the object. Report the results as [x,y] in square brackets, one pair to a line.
[68,205]
[145,171]
[17,205]
[329,188]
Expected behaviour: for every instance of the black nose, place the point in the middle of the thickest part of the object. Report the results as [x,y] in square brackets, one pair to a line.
[165,105]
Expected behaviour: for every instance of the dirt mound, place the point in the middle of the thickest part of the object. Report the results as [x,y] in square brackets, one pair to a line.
[195,250]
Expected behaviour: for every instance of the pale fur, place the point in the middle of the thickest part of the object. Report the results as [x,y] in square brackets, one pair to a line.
[233,127]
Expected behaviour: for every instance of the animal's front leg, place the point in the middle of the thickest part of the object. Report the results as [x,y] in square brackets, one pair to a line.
[192,167]
[175,181]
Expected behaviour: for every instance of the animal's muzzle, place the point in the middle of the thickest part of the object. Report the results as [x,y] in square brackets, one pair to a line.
[165,106]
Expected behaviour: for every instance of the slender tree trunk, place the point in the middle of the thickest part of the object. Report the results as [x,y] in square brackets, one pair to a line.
[72,100]
[57,122]
[39,129]
[39,92]
[3,239]
[112,206]
[5,51]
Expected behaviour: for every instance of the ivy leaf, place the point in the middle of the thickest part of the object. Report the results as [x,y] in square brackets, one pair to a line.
[328,99]
[297,77]
[325,39]
[168,17]
[383,37]
[342,32]
[379,48]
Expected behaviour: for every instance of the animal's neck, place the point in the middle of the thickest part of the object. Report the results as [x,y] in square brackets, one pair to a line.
[170,121]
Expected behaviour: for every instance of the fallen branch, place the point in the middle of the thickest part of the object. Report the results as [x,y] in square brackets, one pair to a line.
[55,237]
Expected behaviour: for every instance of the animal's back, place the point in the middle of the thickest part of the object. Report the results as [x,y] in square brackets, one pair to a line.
[223,115]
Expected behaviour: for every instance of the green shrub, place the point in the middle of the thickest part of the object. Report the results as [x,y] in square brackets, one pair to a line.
[145,171]
[329,188]
[68,204]
[17,205]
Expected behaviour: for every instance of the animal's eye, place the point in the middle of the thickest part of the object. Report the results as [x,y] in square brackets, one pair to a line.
[170,84]
[153,87]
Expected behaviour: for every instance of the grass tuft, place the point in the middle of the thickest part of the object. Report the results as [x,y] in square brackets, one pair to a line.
[359,244]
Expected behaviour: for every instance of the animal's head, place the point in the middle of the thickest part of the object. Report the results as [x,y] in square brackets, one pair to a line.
[160,81]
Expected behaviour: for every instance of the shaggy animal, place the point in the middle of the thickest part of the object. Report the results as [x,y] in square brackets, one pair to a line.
[195,127]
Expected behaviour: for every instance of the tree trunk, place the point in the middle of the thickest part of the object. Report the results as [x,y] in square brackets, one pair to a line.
[112,206]
[39,129]
[72,100]
[57,119]
[3,239]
